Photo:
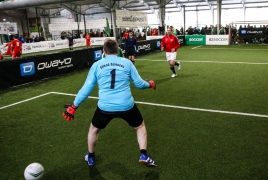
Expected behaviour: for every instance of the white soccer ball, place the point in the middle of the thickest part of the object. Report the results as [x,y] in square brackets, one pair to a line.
[34,171]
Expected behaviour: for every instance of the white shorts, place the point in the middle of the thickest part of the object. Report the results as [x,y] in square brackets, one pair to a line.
[171,56]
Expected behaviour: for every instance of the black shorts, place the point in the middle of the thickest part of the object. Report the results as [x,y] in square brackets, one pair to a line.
[130,51]
[101,118]
[71,44]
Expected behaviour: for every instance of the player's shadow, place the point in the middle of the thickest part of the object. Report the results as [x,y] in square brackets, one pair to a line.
[121,170]
[160,81]
[139,66]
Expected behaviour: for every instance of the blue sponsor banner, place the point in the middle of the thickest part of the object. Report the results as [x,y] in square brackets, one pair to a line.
[243,32]
[27,69]
[158,44]
[97,55]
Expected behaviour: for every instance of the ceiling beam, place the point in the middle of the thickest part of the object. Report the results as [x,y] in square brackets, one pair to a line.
[210,7]
[19,4]
[177,5]
[243,3]
[152,9]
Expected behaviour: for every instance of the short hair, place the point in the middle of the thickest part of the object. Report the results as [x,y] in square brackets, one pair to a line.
[110,46]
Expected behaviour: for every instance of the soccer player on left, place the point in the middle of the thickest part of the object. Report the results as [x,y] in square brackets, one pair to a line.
[8,52]
[16,47]
[87,37]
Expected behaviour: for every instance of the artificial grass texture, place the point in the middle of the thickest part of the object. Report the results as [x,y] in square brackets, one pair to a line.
[186,144]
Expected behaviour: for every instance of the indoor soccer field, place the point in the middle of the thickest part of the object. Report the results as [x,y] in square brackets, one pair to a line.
[210,122]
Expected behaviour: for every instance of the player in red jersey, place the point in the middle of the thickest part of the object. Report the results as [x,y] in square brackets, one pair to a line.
[171,44]
[125,35]
[8,52]
[87,37]
[16,47]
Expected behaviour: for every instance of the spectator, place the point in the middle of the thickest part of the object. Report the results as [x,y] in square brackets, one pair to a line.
[36,39]
[137,34]
[22,39]
[178,32]
[214,31]
[32,39]
[41,38]
[174,32]
[76,36]
[226,29]
[222,31]
[195,31]
[189,30]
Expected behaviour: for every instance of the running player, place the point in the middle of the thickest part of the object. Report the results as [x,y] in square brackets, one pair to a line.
[171,44]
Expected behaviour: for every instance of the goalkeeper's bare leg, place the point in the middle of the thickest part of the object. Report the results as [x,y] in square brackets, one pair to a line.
[142,136]
[142,141]
[93,135]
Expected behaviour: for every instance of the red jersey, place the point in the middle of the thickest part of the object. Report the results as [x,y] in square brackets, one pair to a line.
[125,35]
[8,48]
[16,45]
[170,42]
[87,38]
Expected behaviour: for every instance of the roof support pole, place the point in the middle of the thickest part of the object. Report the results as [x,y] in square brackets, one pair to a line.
[162,12]
[218,15]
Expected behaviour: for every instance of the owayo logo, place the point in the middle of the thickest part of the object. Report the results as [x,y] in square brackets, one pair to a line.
[65,63]
[27,69]
[146,47]
[97,55]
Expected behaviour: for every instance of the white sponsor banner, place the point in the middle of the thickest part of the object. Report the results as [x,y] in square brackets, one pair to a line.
[69,26]
[62,44]
[217,39]
[131,18]
[8,28]
[99,41]
[153,37]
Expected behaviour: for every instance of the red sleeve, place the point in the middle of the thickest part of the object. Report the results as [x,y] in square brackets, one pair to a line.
[163,42]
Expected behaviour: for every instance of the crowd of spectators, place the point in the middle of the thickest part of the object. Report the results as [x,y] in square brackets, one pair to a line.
[32,39]
[82,34]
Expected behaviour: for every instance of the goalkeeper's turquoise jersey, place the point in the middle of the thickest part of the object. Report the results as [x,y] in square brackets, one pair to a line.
[113,75]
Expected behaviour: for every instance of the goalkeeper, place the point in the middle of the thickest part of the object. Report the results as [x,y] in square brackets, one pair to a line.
[113,75]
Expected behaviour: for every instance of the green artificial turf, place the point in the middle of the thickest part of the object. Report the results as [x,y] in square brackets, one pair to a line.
[187,138]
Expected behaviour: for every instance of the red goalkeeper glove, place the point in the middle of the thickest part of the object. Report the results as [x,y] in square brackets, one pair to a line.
[152,83]
[69,113]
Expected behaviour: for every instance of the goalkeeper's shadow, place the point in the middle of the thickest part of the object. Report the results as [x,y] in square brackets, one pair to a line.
[160,81]
[121,170]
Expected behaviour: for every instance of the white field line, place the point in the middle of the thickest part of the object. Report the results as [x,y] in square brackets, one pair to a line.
[241,49]
[151,104]
[220,62]
[197,47]
[35,97]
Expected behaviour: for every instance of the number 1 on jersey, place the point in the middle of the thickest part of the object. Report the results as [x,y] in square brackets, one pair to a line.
[112,78]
